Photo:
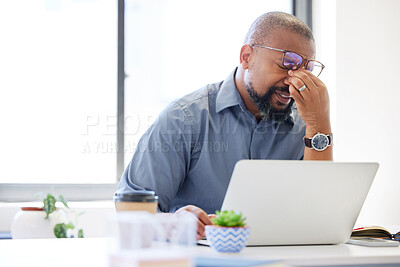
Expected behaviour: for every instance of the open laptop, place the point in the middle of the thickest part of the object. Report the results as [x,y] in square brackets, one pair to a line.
[299,202]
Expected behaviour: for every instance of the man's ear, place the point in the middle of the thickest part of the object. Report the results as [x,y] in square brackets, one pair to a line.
[245,54]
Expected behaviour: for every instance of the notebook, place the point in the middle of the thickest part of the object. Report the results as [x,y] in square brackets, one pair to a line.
[299,202]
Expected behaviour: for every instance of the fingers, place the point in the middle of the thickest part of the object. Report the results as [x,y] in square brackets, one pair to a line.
[312,103]
[201,214]
[211,216]
[200,229]
[203,218]
[295,94]
[306,76]
[299,79]
[315,87]
[298,83]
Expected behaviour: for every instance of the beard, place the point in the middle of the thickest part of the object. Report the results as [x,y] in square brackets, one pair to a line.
[263,103]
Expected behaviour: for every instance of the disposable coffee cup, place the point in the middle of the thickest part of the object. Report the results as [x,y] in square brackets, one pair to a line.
[136,201]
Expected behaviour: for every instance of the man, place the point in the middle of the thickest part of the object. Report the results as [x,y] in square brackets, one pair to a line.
[262,110]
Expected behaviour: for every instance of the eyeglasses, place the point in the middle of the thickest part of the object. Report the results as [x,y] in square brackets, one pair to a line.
[293,61]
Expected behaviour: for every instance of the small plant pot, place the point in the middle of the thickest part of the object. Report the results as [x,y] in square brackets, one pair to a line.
[30,222]
[227,239]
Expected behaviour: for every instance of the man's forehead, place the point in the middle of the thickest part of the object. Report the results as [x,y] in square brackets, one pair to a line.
[292,41]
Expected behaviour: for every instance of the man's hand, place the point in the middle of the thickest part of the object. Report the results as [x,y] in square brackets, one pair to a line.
[312,103]
[202,218]
[313,107]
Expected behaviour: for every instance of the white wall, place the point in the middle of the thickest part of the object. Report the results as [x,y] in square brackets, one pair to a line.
[367,93]
[324,28]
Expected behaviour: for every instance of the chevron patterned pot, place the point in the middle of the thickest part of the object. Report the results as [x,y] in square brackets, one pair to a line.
[227,239]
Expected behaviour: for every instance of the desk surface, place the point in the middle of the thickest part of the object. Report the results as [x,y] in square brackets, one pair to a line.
[93,252]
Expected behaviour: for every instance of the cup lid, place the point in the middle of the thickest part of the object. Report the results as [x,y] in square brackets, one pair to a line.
[136,196]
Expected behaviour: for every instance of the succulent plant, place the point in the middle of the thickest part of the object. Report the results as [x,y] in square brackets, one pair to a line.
[229,219]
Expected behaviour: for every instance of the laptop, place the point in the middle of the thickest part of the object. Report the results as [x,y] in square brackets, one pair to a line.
[299,202]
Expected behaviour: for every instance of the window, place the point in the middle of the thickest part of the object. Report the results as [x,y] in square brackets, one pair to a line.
[58,91]
[174,47]
[58,96]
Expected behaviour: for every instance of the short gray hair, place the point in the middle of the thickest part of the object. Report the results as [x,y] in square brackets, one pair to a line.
[264,25]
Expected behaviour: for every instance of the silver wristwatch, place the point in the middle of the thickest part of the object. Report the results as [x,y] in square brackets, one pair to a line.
[319,142]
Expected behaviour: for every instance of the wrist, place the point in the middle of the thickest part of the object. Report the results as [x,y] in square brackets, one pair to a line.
[314,129]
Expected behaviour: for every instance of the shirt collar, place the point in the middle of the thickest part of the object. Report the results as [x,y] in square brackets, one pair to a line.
[228,96]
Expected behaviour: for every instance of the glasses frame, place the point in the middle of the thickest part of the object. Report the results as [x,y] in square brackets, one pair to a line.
[302,58]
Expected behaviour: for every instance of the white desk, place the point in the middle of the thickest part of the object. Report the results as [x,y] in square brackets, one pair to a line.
[93,252]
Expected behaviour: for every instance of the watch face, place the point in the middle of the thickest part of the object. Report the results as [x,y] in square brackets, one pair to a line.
[320,142]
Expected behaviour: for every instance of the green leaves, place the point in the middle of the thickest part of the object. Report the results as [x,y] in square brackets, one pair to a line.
[61,229]
[229,219]
[49,205]
[80,233]
[62,200]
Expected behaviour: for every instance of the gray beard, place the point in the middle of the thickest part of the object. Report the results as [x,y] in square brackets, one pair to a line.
[263,103]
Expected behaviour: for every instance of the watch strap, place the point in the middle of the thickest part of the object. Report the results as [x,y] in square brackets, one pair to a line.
[307,142]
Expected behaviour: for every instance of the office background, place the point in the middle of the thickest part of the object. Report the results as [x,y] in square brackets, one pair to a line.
[58,130]
[367,92]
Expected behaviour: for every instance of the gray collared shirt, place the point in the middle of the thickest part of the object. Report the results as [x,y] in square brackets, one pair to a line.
[187,156]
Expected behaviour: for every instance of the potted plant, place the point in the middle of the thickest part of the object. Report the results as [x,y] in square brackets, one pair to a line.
[47,221]
[62,230]
[229,234]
